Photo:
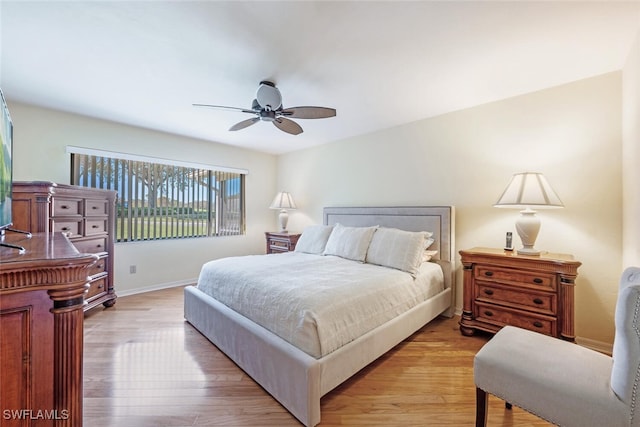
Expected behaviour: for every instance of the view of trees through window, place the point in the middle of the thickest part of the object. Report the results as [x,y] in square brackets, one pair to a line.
[161,201]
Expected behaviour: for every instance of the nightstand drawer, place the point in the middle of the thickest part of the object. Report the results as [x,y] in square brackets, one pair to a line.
[537,301]
[279,245]
[281,242]
[501,316]
[516,277]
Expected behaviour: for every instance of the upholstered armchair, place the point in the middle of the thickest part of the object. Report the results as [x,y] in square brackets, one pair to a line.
[562,382]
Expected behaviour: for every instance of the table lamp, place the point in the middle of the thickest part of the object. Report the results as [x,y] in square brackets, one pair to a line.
[527,190]
[284,202]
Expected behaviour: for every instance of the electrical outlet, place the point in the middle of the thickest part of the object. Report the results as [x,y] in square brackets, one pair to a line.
[132,269]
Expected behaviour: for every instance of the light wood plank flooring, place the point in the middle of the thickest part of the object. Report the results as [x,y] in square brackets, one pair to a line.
[145,366]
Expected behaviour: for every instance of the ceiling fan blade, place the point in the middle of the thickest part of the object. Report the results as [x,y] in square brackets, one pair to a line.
[288,126]
[309,112]
[222,107]
[245,123]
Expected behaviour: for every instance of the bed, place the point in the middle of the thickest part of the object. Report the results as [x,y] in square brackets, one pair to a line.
[299,373]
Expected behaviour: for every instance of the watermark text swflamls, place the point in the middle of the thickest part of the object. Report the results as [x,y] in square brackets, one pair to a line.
[35,414]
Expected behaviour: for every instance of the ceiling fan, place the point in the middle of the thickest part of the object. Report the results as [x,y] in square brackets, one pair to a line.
[267,106]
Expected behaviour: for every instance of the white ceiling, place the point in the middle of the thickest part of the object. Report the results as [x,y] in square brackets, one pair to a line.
[380,64]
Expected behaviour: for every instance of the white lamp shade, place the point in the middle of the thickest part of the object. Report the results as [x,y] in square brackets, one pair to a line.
[529,189]
[283,200]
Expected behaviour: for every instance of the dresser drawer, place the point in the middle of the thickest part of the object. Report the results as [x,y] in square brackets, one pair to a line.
[539,302]
[95,226]
[502,316]
[528,279]
[95,207]
[99,267]
[66,206]
[70,227]
[91,246]
[96,287]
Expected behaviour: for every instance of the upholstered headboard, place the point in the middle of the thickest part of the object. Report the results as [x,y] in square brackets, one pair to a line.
[440,220]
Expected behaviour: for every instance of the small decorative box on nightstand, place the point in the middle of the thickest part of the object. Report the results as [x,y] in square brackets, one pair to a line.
[532,292]
[280,242]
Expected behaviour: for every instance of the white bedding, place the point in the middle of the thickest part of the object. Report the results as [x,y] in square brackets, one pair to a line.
[317,303]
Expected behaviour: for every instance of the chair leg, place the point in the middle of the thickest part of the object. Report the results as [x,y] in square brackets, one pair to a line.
[481,407]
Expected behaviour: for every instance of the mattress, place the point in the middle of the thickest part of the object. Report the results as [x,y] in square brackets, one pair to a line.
[317,303]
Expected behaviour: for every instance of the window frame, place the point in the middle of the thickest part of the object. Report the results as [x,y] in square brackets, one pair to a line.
[216,201]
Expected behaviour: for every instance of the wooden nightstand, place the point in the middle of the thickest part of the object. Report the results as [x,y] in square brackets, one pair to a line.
[502,288]
[281,242]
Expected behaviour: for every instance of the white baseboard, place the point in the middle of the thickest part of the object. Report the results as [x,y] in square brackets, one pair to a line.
[155,287]
[599,346]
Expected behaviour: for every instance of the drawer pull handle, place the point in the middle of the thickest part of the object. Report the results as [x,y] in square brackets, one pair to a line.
[488,273]
[64,207]
[65,229]
[538,281]
[488,291]
[488,313]
[94,207]
[537,301]
[95,226]
[537,324]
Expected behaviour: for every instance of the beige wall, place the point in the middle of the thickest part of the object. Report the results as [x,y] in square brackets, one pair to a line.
[631,156]
[40,138]
[571,133]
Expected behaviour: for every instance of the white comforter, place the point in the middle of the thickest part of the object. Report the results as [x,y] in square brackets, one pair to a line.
[317,303]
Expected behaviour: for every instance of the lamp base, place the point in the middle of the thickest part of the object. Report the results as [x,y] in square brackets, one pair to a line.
[528,226]
[528,251]
[284,218]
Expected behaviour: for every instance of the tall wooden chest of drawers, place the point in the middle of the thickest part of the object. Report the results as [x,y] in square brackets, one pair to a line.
[532,292]
[85,215]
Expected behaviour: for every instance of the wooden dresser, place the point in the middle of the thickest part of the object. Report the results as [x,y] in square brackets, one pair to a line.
[533,292]
[41,330]
[85,215]
[280,242]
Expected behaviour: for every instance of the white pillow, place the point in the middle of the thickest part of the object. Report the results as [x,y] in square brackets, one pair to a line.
[314,239]
[349,242]
[399,249]
[428,241]
[428,254]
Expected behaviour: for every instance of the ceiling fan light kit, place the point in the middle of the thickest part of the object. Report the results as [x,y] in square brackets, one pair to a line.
[267,107]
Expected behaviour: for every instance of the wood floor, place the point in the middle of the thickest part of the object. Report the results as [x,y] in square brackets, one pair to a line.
[145,366]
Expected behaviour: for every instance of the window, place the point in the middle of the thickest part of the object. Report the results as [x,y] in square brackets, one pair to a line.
[158,200]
